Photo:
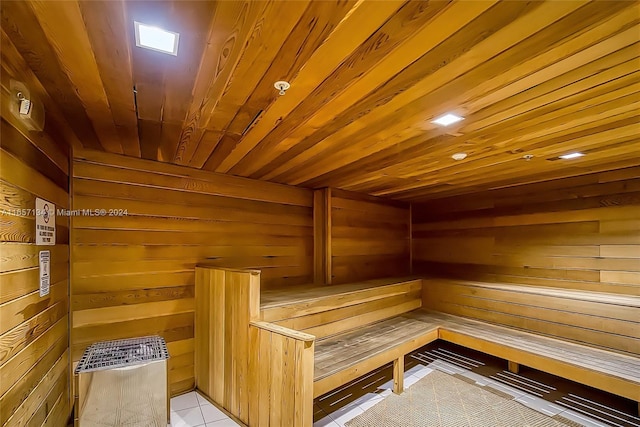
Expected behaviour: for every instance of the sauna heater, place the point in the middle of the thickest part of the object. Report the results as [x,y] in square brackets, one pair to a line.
[123,383]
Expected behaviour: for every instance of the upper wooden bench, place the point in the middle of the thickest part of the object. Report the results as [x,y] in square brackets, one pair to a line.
[303,342]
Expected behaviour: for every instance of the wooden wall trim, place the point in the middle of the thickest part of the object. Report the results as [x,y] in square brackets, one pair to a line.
[321,236]
[410,238]
[327,234]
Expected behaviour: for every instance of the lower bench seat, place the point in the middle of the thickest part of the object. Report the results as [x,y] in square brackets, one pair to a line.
[606,370]
[344,357]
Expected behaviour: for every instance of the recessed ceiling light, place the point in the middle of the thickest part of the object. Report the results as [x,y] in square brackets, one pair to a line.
[571,156]
[154,38]
[447,119]
[459,156]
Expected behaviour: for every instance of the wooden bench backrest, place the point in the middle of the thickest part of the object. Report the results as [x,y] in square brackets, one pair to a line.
[333,313]
[609,321]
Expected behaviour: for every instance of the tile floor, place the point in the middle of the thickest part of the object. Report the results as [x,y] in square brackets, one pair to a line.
[193,410]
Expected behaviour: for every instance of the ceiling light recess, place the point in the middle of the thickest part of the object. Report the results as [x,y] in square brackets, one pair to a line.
[154,38]
[571,156]
[447,119]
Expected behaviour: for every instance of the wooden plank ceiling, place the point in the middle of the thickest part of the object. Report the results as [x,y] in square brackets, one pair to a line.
[367,77]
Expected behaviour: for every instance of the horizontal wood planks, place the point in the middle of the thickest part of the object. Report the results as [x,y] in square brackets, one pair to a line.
[367,79]
[322,313]
[34,330]
[133,274]
[607,321]
[577,233]
[369,237]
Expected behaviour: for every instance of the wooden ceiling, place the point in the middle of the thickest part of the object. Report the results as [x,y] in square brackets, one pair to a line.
[367,78]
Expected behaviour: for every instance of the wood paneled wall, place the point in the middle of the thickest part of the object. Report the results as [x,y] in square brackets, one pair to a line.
[369,237]
[578,233]
[34,346]
[134,274]
[609,321]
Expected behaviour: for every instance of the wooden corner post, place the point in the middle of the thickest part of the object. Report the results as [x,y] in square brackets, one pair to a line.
[322,236]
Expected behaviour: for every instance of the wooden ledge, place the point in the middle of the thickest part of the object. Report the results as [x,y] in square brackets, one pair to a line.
[592,296]
[305,293]
[281,330]
[237,270]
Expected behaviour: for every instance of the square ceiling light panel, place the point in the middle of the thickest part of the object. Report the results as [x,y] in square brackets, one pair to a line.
[447,119]
[154,38]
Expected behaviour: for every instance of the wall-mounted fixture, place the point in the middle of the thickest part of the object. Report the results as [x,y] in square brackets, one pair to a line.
[447,119]
[154,38]
[459,156]
[282,86]
[26,107]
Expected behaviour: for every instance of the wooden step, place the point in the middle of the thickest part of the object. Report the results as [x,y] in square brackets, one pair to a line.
[329,310]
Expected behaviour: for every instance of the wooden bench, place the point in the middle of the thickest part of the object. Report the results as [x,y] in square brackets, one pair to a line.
[358,327]
[300,343]
[592,338]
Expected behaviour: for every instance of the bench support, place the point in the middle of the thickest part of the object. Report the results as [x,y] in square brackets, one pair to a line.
[398,375]
[513,367]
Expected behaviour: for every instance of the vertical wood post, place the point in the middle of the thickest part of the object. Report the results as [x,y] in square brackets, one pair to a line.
[322,236]
[410,238]
[398,375]
[513,367]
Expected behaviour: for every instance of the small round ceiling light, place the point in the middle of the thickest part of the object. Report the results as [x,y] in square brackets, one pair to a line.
[282,86]
[459,156]
[527,157]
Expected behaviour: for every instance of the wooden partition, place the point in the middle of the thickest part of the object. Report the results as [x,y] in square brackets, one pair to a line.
[280,376]
[34,334]
[260,372]
[134,274]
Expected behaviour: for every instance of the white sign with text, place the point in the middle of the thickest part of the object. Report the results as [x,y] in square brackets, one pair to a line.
[45,222]
[45,272]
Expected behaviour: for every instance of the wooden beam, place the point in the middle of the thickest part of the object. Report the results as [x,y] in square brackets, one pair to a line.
[513,367]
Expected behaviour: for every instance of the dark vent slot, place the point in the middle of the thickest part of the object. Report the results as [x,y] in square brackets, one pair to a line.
[252,122]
